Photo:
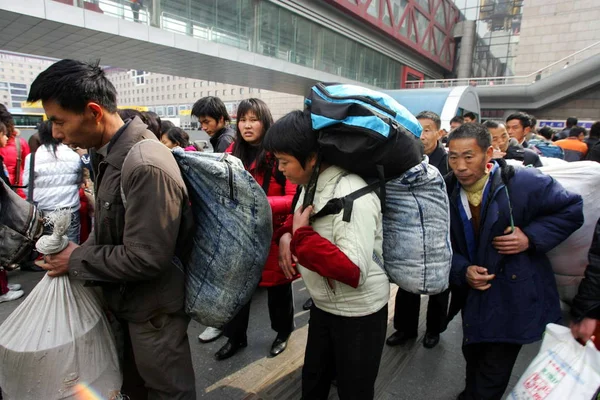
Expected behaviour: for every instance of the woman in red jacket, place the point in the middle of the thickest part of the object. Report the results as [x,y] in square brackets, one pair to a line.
[253,121]
[14,152]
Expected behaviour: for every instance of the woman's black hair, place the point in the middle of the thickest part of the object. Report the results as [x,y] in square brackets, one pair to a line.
[178,136]
[293,134]
[243,150]
[165,126]
[546,132]
[7,119]
[153,122]
[46,138]
[130,113]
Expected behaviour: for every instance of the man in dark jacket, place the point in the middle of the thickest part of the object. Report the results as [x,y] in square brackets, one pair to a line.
[570,123]
[586,304]
[503,222]
[508,148]
[430,137]
[131,252]
[408,305]
[214,119]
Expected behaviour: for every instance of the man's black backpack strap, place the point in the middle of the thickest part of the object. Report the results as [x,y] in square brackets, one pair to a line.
[31,185]
[346,203]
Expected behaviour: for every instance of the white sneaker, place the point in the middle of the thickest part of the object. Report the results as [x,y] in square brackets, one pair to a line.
[14,287]
[210,334]
[9,296]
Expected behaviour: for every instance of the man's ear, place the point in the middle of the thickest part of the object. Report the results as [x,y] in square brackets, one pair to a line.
[95,110]
[489,153]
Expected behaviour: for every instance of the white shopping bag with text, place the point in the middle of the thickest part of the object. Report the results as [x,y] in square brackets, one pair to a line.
[563,369]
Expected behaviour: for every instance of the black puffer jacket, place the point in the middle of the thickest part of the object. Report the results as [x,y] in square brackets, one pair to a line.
[587,302]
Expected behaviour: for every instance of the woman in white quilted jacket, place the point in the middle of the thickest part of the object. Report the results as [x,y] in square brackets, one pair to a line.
[58,174]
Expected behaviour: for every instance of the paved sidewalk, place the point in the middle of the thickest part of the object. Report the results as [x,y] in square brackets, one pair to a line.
[407,372]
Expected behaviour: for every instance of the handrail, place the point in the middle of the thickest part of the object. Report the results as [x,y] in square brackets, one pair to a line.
[502,80]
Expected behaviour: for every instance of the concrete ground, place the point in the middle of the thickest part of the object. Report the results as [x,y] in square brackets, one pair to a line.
[407,372]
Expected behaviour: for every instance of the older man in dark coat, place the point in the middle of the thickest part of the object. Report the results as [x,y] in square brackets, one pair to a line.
[503,222]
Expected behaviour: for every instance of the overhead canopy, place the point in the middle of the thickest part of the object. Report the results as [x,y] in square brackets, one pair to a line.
[445,102]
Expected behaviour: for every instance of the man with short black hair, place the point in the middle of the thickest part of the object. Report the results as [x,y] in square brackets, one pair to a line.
[570,123]
[408,305]
[130,255]
[469,117]
[573,146]
[430,137]
[455,122]
[503,222]
[214,119]
[519,126]
[508,148]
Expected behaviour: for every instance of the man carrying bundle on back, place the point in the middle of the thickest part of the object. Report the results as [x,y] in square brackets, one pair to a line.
[503,222]
[131,250]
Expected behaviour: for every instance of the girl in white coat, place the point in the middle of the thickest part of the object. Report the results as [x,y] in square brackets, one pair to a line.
[58,173]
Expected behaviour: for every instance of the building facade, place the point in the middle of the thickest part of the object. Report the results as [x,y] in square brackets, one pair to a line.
[172,96]
[16,74]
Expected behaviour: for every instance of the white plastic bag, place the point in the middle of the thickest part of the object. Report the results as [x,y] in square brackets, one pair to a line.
[570,258]
[58,345]
[563,369]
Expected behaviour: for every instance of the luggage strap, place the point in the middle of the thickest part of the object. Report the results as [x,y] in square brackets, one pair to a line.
[346,203]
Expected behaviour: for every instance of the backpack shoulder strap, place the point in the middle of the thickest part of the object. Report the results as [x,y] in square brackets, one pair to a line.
[30,185]
[346,203]
[17,180]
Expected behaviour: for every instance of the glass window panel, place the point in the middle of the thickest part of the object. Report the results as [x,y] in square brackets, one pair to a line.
[424,4]
[268,27]
[471,14]
[461,4]
[440,15]
[422,23]
[404,27]
[413,30]
[373,9]
[387,19]
[398,8]
[439,38]
[328,52]
[286,35]
[305,42]
[351,69]
[431,45]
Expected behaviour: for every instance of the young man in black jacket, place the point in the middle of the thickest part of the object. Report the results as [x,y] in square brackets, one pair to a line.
[508,148]
[214,119]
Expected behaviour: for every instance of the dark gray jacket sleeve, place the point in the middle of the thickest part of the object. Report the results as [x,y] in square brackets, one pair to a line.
[587,302]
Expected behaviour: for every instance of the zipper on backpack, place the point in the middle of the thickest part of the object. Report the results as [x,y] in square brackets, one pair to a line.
[230,173]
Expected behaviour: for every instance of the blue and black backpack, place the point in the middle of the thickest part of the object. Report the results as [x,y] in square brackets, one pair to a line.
[365,132]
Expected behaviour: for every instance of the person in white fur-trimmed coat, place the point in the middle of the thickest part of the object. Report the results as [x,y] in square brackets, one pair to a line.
[58,174]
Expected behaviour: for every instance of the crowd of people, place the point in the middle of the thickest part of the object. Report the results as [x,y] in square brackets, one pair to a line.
[504,219]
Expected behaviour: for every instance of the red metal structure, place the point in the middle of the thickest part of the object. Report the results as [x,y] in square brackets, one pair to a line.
[425,26]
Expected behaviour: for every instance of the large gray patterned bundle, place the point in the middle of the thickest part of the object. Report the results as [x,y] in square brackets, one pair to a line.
[231,239]
[416,231]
